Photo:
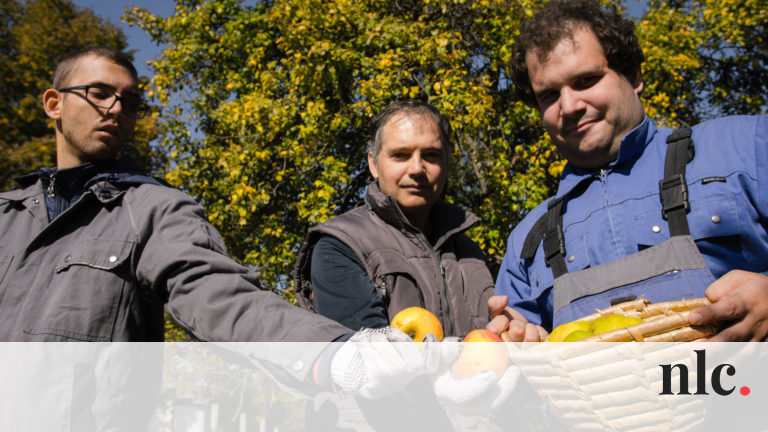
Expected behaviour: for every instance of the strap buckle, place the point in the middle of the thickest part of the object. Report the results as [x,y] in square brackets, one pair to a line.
[554,244]
[674,194]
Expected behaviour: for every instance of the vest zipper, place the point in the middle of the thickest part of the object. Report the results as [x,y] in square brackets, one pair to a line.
[446,315]
[449,327]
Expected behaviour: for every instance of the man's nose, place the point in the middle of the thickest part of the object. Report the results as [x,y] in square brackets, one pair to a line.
[116,108]
[415,165]
[570,101]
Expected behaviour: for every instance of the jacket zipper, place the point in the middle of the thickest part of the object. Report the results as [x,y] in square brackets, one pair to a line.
[51,180]
[607,203]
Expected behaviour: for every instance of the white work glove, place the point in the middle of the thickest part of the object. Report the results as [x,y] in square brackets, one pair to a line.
[476,394]
[378,362]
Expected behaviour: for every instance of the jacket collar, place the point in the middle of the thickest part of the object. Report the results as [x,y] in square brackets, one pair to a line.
[119,172]
[632,146]
[22,194]
[447,219]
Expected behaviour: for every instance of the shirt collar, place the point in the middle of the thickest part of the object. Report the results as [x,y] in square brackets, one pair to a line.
[632,146]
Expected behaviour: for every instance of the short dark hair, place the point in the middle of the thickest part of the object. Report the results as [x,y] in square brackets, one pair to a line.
[409,108]
[559,19]
[66,66]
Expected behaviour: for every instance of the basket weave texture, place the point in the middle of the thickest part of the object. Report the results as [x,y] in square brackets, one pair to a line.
[617,386]
[664,322]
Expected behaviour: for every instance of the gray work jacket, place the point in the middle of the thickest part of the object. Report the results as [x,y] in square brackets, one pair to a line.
[105,267]
[450,278]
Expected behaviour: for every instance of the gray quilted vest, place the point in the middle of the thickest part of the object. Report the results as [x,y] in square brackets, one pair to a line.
[450,277]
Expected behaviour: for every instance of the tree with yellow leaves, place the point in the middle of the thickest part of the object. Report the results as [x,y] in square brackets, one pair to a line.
[280,93]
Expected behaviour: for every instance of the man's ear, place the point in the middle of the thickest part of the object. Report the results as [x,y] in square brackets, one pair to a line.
[52,103]
[637,82]
[372,166]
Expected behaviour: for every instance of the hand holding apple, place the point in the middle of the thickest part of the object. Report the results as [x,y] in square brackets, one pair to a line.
[480,354]
[481,378]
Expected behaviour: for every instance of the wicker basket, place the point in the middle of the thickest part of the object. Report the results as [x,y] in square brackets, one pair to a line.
[664,322]
[616,386]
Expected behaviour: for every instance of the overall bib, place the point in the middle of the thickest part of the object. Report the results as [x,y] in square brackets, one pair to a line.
[671,270]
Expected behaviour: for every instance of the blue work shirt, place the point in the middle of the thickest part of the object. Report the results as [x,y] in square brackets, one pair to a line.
[616,211]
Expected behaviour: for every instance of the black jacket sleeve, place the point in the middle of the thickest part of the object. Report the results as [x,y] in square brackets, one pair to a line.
[342,289]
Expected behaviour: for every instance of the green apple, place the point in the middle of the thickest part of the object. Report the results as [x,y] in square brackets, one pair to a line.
[561,331]
[607,323]
[577,335]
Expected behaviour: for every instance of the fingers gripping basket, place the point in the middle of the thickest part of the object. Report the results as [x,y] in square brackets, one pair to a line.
[616,386]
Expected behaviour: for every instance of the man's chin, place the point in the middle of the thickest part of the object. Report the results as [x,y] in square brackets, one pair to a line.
[412,206]
[105,151]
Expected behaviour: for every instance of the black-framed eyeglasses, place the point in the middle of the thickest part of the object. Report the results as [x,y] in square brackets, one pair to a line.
[133,106]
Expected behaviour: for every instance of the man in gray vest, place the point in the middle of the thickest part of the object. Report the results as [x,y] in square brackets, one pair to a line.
[405,246]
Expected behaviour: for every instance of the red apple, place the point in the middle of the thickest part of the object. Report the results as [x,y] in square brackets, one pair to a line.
[480,353]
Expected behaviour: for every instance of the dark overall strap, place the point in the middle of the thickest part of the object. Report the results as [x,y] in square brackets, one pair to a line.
[673,190]
[549,229]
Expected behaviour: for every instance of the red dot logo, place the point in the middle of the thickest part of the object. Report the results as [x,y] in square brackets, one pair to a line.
[744,391]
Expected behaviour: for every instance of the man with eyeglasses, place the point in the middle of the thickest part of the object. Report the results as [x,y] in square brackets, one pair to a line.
[95,250]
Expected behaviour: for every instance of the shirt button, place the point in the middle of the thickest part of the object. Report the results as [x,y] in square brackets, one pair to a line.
[67,258]
[113,258]
[656,229]
[36,201]
[298,365]
[571,258]
[716,219]
[537,281]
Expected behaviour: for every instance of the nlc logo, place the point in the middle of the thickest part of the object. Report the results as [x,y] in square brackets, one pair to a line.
[716,379]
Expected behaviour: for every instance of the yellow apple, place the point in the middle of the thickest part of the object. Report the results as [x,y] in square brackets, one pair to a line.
[577,335]
[607,323]
[417,322]
[561,331]
[479,353]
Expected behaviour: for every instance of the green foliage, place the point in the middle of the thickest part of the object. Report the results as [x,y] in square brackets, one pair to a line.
[173,332]
[281,92]
[34,36]
[705,58]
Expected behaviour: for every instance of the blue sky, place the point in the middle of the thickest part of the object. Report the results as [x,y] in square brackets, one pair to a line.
[139,41]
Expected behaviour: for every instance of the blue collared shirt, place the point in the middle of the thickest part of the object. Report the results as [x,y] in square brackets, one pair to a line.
[615,211]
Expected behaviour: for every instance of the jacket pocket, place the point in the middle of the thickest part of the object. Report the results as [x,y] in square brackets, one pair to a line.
[393,278]
[83,297]
[714,218]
